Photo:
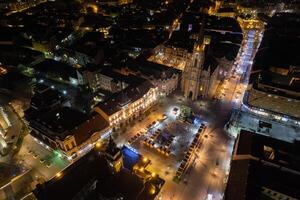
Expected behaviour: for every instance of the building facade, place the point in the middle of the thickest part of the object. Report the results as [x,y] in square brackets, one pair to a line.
[191,78]
[72,138]
[128,104]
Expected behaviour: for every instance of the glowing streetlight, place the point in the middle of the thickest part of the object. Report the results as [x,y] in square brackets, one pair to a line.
[98,145]
[153,174]
[58,175]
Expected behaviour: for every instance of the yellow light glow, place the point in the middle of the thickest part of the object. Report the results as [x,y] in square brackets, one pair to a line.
[59,174]
[153,174]
[152,190]
[98,145]
[145,159]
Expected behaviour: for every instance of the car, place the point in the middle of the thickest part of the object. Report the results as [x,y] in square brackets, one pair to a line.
[42,160]
[35,155]
[30,151]
[185,181]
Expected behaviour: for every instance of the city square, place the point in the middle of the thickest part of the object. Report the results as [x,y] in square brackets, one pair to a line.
[149,100]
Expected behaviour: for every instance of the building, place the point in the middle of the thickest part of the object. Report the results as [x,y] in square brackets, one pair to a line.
[274,82]
[60,130]
[91,178]
[226,12]
[176,52]
[45,99]
[109,80]
[191,76]
[166,79]
[19,57]
[128,104]
[263,168]
[88,48]
[202,49]
[59,72]
[113,155]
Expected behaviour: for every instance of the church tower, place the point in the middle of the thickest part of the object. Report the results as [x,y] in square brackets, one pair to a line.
[192,72]
[113,156]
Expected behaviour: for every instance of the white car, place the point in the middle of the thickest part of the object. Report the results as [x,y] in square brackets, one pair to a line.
[209,197]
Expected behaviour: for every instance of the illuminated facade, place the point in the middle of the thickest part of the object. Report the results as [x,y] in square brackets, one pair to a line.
[171,56]
[128,104]
[197,78]
[191,76]
[113,156]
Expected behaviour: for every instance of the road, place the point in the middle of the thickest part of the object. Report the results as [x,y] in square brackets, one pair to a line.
[233,88]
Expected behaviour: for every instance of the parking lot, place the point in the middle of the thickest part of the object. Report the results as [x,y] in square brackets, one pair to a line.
[45,162]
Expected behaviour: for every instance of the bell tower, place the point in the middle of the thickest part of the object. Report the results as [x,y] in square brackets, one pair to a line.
[192,72]
[113,156]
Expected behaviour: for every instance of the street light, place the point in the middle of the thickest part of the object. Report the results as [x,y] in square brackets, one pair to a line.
[98,145]
[58,175]
[153,174]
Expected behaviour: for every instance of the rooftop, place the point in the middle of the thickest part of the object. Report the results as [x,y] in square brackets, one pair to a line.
[151,69]
[91,44]
[280,42]
[44,99]
[15,55]
[60,69]
[59,122]
[120,99]
[92,171]
[181,39]
[260,146]
[272,171]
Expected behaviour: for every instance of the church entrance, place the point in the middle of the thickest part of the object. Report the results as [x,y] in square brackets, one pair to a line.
[190,95]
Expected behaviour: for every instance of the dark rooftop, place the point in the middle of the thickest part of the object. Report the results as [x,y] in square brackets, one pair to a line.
[279,49]
[92,170]
[266,172]
[91,44]
[44,99]
[60,69]
[15,55]
[151,69]
[181,39]
[95,123]
[254,144]
[59,122]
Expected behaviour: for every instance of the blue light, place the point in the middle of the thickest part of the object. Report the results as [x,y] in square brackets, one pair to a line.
[130,156]
[196,121]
